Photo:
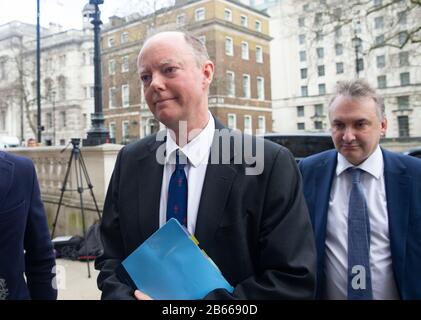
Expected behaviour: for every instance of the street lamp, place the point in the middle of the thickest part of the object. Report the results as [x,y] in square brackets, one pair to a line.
[53,101]
[98,134]
[356,41]
[39,127]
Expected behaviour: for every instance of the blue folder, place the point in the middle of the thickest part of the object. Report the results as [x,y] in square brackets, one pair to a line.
[169,265]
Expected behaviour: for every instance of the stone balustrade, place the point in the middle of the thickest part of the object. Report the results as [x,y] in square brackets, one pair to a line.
[52,163]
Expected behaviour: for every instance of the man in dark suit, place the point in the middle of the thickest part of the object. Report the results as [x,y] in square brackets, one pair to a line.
[25,244]
[390,187]
[253,224]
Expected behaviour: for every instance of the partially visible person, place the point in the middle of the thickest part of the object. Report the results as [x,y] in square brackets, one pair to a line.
[365,205]
[31,142]
[255,227]
[27,257]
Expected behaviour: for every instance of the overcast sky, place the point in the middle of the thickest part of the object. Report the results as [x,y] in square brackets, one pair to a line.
[68,13]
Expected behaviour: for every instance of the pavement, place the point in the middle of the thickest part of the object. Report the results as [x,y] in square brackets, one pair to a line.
[73,282]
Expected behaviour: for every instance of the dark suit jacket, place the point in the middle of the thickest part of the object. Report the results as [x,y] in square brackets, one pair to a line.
[403,195]
[23,226]
[255,228]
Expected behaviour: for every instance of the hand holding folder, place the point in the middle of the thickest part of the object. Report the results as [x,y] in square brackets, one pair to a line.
[169,265]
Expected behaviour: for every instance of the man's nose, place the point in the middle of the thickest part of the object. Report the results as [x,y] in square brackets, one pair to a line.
[158,82]
[348,135]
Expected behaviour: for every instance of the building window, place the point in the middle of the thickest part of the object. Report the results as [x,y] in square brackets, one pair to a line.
[199,14]
[360,64]
[112,130]
[318,110]
[89,92]
[318,125]
[301,38]
[403,102]
[339,67]
[125,131]
[2,120]
[320,53]
[62,88]
[232,121]
[339,49]
[303,73]
[338,31]
[301,126]
[300,111]
[261,125]
[377,3]
[124,37]
[381,61]
[301,22]
[260,88]
[321,71]
[247,125]
[381,82]
[246,86]
[319,35]
[244,21]
[303,55]
[63,121]
[403,124]
[111,67]
[202,39]
[229,46]
[180,20]
[91,56]
[258,26]
[111,42]
[379,40]
[112,101]
[259,54]
[318,18]
[322,89]
[49,121]
[378,23]
[3,73]
[304,91]
[230,84]
[402,18]
[125,94]
[244,50]
[402,37]
[125,64]
[403,59]
[228,15]
[404,76]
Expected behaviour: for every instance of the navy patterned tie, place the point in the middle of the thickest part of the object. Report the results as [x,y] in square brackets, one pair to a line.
[177,193]
[359,274]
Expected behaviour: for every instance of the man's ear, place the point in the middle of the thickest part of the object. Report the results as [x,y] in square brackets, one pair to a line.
[208,70]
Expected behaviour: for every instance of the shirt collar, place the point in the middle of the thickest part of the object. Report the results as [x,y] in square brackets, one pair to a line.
[373,164]
[197,150]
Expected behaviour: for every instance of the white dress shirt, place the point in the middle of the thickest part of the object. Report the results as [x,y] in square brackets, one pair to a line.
[336,245]
[197,152]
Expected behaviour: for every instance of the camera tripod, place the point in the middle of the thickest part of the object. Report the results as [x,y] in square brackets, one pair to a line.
[80,169]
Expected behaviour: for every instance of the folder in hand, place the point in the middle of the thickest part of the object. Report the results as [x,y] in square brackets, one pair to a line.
[169,265]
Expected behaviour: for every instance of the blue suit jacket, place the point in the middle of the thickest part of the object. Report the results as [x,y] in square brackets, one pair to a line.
[403,194]
[25,244]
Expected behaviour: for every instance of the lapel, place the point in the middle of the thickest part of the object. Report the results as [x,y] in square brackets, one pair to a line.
[6,177]
[149,182]
[322,183]
[397,184]
[215,192]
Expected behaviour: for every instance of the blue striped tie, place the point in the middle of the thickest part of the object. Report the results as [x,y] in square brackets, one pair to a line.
[177,193]
[359,274]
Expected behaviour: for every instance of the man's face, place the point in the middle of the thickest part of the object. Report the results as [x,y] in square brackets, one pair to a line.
[175,86]
[356,127]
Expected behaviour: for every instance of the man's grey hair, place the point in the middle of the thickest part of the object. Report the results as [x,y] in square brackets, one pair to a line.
[199,49]
[359,89]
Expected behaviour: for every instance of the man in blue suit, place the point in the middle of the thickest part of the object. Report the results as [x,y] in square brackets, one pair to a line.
[390,189]
[25,244]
